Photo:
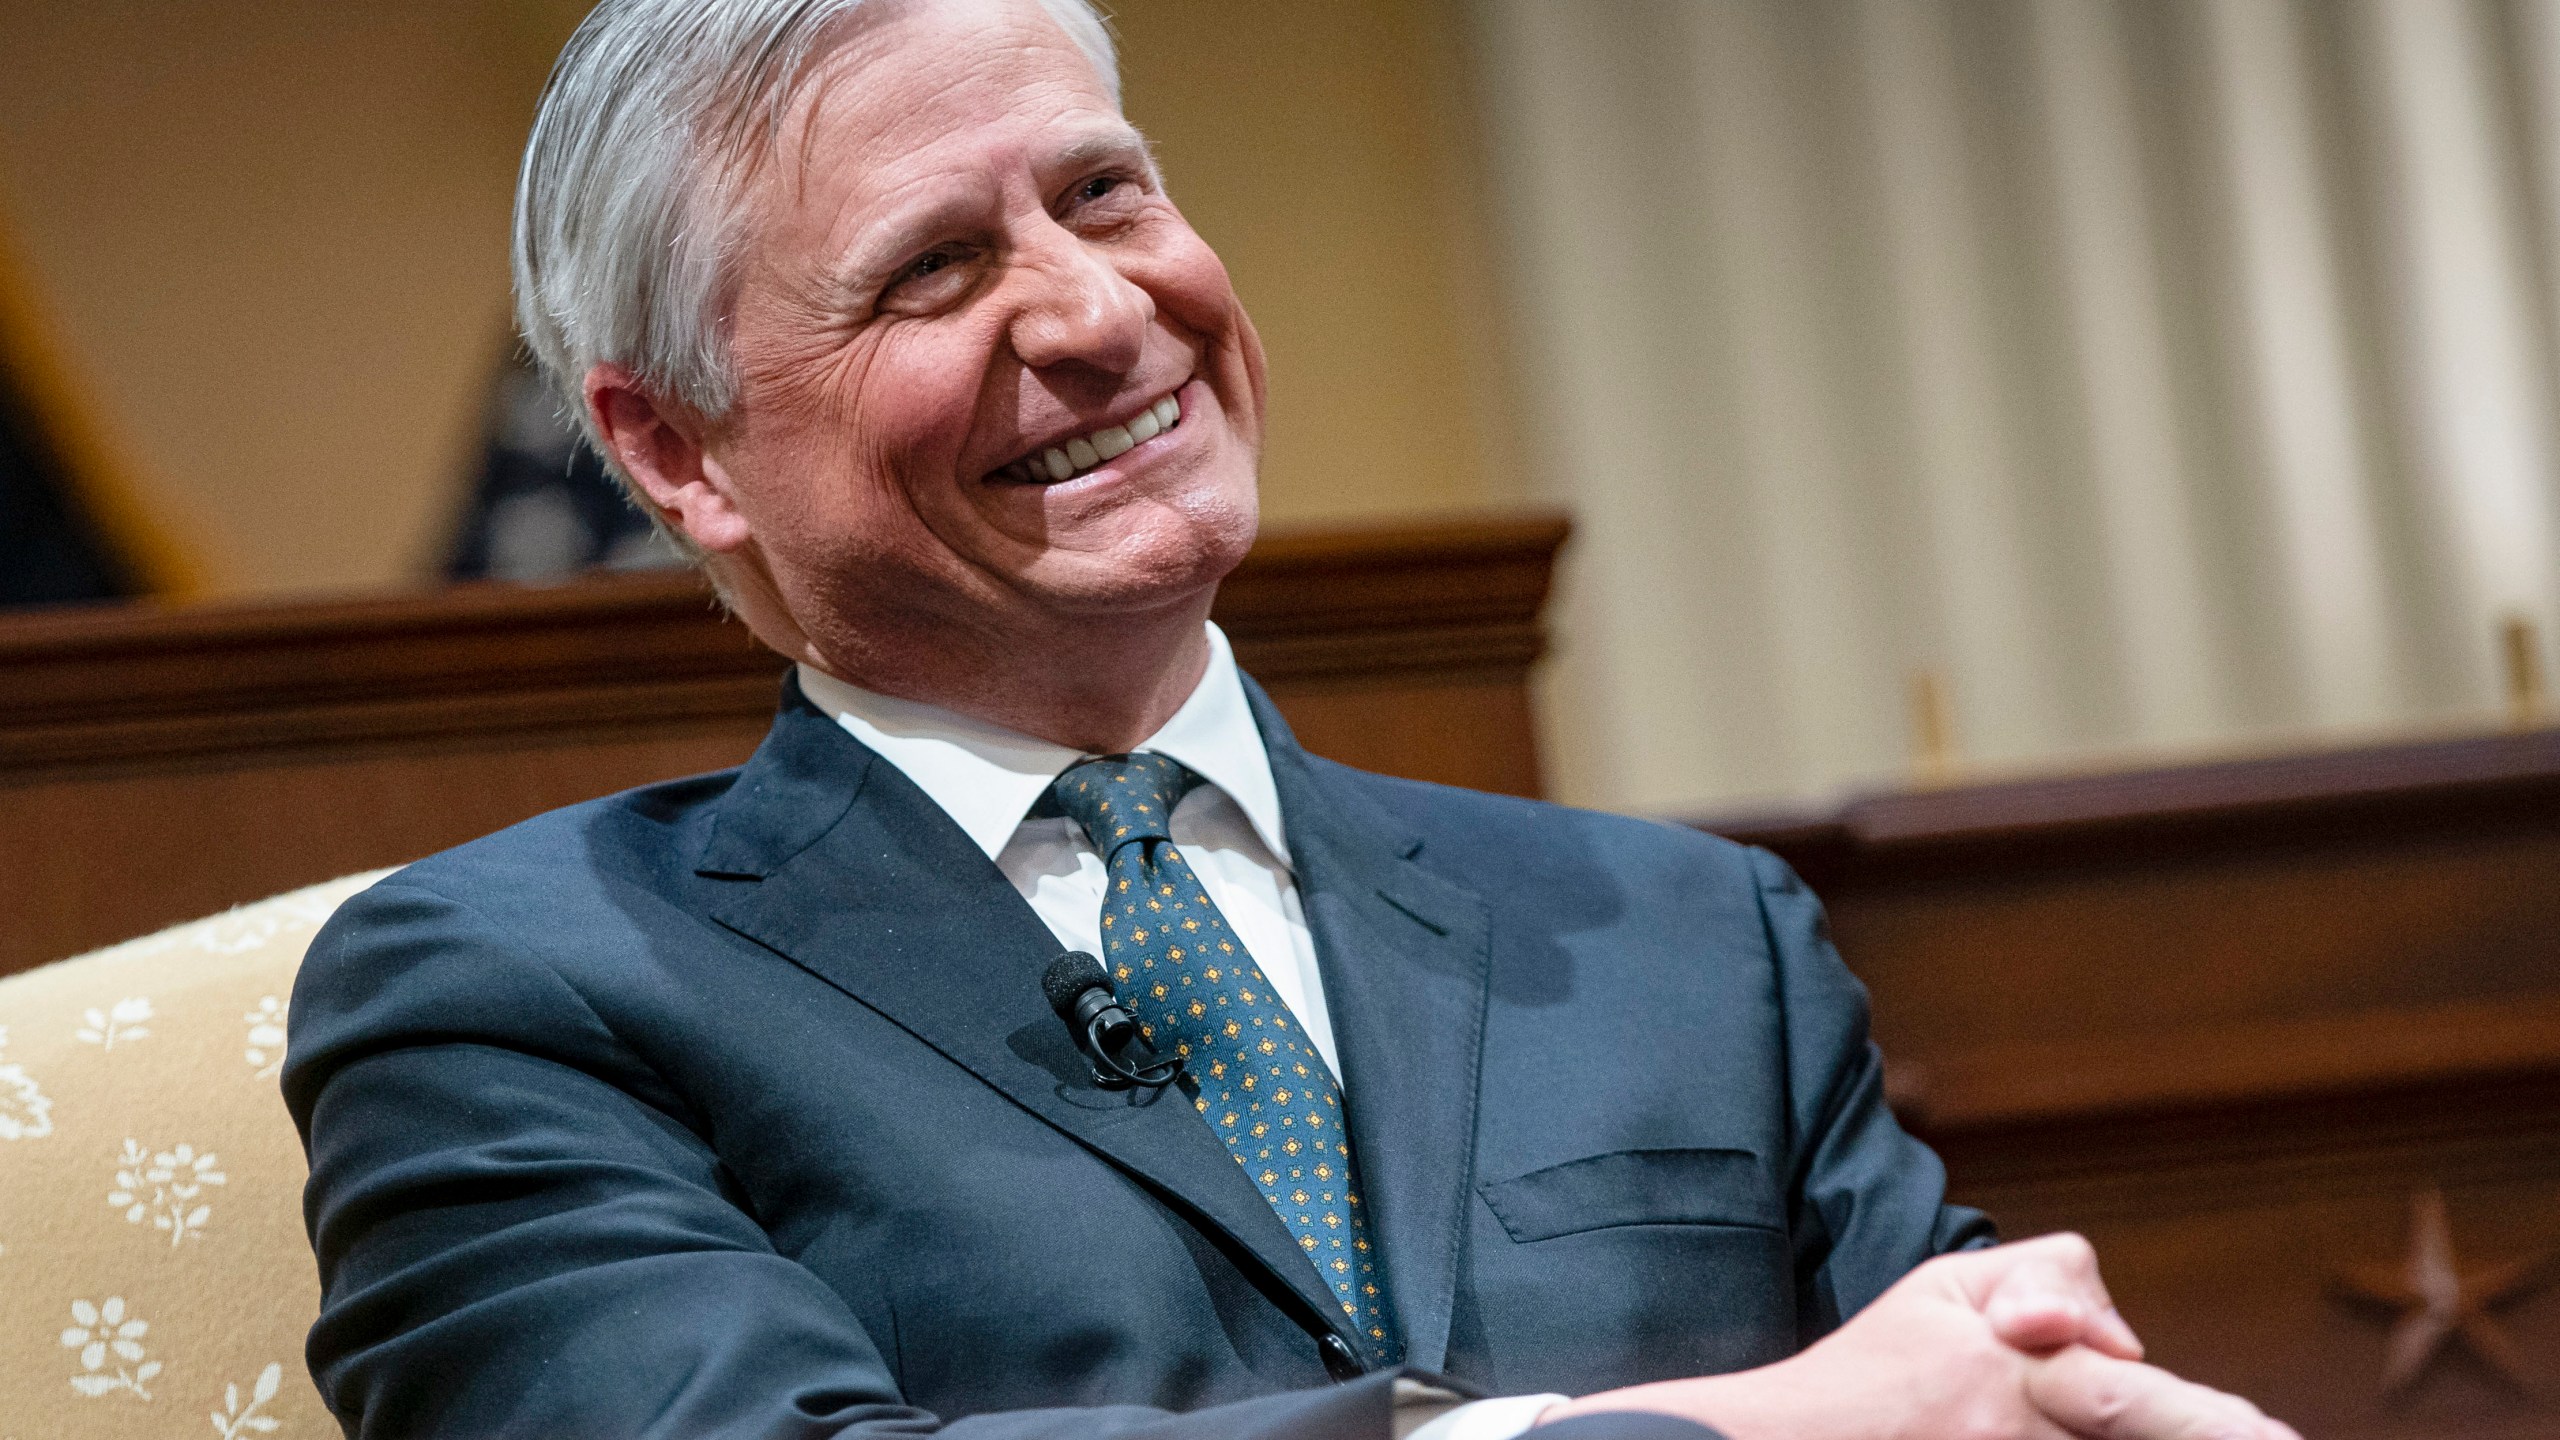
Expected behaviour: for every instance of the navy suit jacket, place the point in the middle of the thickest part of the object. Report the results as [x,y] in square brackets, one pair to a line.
[731,1106]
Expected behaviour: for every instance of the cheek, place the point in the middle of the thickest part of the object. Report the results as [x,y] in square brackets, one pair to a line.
[872,436]
[1194,290]
[877,405]
[1190,285]
[909,407]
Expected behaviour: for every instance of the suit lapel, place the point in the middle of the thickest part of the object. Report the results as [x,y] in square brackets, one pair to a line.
[862,880]
[1404,955]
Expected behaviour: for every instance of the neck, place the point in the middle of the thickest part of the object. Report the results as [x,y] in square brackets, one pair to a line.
[1101,685]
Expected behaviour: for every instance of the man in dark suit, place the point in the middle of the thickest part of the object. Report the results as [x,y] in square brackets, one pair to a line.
[734,1106]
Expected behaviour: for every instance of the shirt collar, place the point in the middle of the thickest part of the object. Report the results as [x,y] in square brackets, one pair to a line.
[987,777]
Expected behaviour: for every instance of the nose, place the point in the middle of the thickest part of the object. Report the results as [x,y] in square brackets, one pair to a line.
[1074,307]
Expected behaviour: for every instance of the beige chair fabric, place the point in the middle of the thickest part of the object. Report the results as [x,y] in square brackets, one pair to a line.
[153,1270]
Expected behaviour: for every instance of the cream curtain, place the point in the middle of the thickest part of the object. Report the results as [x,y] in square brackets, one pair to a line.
[2166,377]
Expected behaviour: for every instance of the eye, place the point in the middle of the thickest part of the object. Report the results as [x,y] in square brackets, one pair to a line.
[932,282]
[1111,192]
[1102,203]
[932,262]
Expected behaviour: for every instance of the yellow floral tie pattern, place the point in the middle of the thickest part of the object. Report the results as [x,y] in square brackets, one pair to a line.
[1249,1069]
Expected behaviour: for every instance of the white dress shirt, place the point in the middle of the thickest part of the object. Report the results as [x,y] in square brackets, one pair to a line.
[987,778]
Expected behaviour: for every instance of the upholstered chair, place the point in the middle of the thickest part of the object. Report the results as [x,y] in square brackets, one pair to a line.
[153,1271]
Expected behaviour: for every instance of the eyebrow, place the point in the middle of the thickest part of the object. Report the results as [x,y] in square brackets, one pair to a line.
[1118,142]
[875,251]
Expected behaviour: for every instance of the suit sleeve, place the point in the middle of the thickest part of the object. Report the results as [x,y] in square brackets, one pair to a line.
[522,1231]
[1868,1200]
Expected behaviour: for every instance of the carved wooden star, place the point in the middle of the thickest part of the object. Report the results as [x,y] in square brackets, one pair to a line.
[2439,1298]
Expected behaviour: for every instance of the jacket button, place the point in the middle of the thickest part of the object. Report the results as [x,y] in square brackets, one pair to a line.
[1339,1361]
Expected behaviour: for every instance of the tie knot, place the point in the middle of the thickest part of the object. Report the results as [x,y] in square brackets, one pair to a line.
[1120,798]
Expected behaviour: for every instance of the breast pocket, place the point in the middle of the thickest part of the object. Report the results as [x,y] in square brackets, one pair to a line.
[1633,1266]
[1636,1187]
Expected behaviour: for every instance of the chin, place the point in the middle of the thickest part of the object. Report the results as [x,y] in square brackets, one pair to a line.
[1168,555]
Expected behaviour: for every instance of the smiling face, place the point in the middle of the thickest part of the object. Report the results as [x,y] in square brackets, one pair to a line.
[991,382]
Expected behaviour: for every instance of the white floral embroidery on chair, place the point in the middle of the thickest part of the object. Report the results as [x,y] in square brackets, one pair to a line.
[24,1112]
[265,1051]
[123,1022]
[190,1135]
[231,1421]
[164,1186]
[104,1332]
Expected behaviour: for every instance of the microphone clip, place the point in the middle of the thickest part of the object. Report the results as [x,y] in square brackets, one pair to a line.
[1105,1032]
[1113,1067]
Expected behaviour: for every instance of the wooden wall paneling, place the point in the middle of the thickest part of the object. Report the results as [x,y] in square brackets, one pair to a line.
[1434,728]
[2231,1021]
[2241,1296]
[2223,1232]
[2228,904]
[1403,649]
[158,765]
[103,856]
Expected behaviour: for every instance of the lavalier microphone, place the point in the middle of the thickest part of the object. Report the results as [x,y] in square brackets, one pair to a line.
[1080,991]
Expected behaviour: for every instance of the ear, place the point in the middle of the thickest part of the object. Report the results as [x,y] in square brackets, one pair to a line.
[660,447]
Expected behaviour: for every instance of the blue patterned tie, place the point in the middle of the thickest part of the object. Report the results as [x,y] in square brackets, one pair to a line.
[1249,1069]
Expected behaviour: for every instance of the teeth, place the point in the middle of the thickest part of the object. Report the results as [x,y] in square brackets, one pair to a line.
[1086,451]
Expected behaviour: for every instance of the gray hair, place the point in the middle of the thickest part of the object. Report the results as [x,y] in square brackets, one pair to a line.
[626,209]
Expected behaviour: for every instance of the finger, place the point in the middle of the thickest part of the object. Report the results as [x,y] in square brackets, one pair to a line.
[2039,1305]
[2035,1313]
[2103,1398]
[2043,1293]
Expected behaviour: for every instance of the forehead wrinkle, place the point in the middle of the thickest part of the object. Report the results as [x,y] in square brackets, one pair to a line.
[874,47]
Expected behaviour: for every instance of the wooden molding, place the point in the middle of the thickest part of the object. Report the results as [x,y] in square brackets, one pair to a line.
[1417,600]
[159,764]
[2214,1069]
[2217,1016]
[2169,810]
[2055,898]
[2081,1172]
[125,687]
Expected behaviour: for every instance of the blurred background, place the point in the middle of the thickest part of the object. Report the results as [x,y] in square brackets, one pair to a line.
[2056,384]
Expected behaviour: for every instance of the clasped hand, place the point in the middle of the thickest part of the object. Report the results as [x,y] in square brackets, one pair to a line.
[2017,1342]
